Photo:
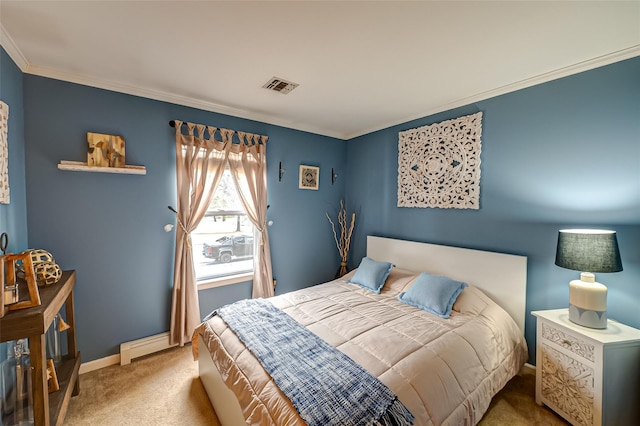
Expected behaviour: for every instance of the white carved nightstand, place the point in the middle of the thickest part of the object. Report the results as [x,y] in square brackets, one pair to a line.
[588,376]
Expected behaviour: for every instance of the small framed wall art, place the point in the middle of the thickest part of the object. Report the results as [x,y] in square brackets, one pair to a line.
[309,177]
[105,150]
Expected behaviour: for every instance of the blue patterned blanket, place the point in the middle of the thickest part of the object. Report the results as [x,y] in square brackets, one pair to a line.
[325,385]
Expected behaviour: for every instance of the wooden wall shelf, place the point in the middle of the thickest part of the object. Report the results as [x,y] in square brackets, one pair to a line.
[78,166]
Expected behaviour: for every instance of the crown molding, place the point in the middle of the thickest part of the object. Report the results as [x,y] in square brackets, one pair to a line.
[12,50]
[16,55]
[590,64]
[173,98]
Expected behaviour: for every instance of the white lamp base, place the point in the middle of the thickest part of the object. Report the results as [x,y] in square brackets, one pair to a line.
[588,302]
[587,317]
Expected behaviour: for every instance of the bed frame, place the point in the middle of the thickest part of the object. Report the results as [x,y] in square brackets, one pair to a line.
[503,277]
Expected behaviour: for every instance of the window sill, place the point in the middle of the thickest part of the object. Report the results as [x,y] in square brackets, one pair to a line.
[222,281]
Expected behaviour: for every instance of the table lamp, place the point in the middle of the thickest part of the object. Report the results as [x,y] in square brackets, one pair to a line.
[591,250]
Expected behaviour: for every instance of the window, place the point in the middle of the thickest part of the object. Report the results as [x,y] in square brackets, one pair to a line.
[223,241]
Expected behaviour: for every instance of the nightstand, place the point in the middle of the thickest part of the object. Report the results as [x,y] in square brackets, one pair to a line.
[588,376]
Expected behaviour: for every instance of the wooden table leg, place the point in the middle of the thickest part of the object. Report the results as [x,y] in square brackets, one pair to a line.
[38,350]
[72,348]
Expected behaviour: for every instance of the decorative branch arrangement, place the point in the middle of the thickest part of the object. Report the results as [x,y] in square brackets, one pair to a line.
[344,242]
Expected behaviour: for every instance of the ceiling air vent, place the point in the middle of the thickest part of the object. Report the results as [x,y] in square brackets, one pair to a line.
[279,85]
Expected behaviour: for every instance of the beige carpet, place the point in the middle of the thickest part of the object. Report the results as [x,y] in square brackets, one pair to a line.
[515,405]
[160,390]
[164,389]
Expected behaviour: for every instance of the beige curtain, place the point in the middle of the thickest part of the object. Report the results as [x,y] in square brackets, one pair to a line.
[248,166]
[200,163]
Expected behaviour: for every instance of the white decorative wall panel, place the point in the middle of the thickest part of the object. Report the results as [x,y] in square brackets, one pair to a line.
[4,153]
[439,164]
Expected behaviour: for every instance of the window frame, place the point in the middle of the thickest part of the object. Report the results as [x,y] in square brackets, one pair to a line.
[233,278]
[224,281]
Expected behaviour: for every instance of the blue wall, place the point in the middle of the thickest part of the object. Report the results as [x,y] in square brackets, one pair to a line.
[13,216]
[109,227]
[561,154]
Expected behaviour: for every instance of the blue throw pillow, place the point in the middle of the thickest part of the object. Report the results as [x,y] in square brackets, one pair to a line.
[433,293]
[371,274]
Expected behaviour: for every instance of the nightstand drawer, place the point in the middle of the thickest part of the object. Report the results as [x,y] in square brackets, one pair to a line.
[568,341]
[567,386]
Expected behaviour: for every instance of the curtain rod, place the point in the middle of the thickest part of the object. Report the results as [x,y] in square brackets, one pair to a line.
[172,123]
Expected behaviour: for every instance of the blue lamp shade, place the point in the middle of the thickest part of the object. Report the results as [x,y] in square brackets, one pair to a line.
[588,251]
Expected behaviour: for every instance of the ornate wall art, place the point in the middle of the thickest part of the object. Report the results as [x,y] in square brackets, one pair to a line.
[309,177]
[4,153]
[439,164]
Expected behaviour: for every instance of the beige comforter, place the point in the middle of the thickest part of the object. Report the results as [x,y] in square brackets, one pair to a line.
[445,371]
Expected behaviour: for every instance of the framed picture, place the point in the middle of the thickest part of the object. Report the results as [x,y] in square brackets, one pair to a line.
[309,177]
[11,282]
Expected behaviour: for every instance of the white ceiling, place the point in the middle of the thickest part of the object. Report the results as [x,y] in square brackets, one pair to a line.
[362,66]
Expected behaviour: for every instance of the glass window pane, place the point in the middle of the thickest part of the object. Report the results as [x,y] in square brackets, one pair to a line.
[223,241]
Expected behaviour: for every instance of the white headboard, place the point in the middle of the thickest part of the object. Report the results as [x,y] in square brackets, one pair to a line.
[503,277]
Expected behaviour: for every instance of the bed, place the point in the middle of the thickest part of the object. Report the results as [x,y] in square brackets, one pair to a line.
[444,371]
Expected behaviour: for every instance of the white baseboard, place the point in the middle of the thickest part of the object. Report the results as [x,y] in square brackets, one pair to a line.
[144,346]
[528,369]
[97,364]
[129,351]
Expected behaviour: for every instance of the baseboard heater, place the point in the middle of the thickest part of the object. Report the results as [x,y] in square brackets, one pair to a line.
[144,346]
